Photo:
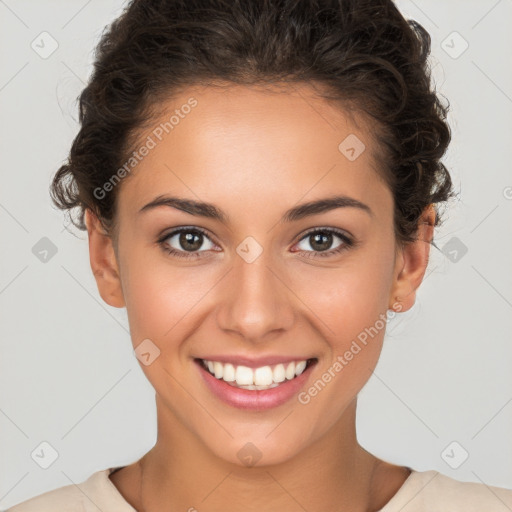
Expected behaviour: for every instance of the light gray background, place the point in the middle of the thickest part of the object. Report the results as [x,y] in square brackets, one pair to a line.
[68,375]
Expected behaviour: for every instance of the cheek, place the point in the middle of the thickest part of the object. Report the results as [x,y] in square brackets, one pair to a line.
[160,298]
[349,298]
[163,298]
[351,308]
[350,305]
[157,293]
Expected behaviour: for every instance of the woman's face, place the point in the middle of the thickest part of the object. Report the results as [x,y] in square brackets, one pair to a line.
[256,284]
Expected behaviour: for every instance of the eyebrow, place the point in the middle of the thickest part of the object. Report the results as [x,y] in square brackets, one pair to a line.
[296,213]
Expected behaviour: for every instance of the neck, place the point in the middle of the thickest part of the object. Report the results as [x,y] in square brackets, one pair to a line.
[333,473]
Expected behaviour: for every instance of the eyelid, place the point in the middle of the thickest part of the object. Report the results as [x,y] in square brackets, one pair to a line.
[338,231]
[177,229]
[174,231]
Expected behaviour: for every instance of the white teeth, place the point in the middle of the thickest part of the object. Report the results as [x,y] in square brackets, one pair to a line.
[290,371]
[218,369]
[229,373]
[264,377]
[299,367]
[253,387]
[243,375]
[279,373]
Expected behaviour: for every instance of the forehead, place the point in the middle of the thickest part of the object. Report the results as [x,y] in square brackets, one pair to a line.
[266,145]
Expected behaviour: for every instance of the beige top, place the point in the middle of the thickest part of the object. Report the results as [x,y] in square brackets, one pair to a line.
[423,491]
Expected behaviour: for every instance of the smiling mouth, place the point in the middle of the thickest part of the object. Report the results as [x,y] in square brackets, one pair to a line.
[261,378]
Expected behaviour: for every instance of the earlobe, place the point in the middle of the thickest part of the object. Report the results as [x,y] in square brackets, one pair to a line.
[103,262]
[412,263]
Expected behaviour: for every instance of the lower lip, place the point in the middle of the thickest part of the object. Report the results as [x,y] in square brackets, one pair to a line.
[256,400]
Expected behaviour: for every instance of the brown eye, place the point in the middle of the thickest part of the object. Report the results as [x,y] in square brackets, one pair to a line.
[190,241]
[320,242]
[186,240]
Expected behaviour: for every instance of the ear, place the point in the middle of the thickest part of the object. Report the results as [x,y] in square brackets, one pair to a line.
[104,263]
[411,264]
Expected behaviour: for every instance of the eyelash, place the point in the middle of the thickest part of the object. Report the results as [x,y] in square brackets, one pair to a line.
[347,243]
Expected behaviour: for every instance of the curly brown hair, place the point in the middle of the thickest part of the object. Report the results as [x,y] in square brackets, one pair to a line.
[363,53]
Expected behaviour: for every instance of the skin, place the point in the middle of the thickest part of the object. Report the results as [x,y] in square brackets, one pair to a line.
[255,153]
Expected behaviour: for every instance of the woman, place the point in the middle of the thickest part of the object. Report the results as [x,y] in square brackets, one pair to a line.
[260,183]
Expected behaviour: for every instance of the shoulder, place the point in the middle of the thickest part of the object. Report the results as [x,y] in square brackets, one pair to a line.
[65,498]
[96,493]
[431,491]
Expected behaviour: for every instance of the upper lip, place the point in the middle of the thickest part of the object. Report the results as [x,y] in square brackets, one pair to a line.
[254,362]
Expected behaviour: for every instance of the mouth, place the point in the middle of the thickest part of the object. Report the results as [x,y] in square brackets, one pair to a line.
[260,378]
[255,388]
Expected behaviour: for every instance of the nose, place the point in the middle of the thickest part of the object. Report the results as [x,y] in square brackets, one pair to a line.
[256,301]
